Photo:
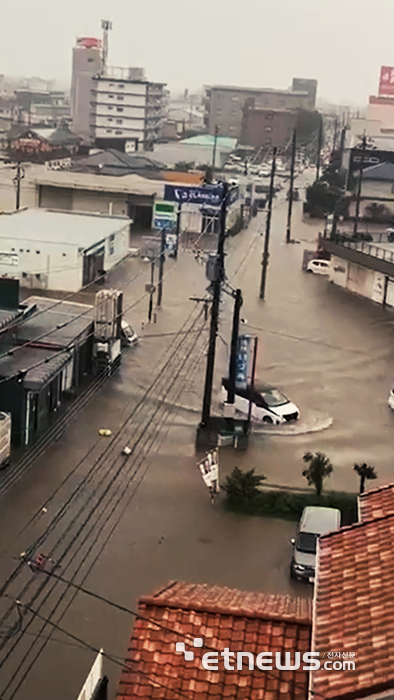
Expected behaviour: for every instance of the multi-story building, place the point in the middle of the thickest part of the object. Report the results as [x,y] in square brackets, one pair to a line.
[87,62]
[224,105]
[126,110]
[267,127]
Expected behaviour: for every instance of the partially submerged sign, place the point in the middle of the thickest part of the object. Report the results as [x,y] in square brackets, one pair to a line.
[212,195]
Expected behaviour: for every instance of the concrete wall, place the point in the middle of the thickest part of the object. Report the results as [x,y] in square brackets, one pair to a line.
[338,271]
[56,266]
[266,127]
[83,200]
[86,63]
[360,280]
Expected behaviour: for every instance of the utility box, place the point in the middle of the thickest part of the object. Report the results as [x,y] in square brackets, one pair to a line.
[211,269]
[5,439]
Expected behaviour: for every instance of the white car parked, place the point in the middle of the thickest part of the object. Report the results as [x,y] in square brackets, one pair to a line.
[391,399]
[269,405]
[319,267]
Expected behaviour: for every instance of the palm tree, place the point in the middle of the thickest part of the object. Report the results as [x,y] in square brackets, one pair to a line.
[319,469]
[365,471]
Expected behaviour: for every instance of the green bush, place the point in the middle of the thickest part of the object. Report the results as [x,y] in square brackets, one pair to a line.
[290,504]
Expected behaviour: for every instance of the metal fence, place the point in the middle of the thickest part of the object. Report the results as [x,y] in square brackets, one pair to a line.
[370,249]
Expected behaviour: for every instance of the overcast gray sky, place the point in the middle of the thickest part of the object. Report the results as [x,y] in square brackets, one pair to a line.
[342,43]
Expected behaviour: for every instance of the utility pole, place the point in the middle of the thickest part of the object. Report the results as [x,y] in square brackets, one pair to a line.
[20,174]
[268,228]
[214,149]
[234,345]
[217,287]
[161,266]
[319,147]
[152,288]
[292,167]
[177,229]
[359,185]
[256,340]
[334,142]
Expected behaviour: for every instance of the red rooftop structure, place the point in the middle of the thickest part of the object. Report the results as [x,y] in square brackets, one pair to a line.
[220,617]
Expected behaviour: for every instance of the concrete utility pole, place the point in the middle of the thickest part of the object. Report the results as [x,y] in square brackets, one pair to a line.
[152,288]
[214,149]
[319,147]
[177,229]
[359,186]
[217,288]
[20,174]
[292,167]
[238,301]
[268,228]
[161,266]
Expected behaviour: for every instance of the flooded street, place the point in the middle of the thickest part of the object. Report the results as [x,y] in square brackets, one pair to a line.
[124,527]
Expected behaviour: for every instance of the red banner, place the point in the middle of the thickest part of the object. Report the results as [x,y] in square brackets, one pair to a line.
[386,82]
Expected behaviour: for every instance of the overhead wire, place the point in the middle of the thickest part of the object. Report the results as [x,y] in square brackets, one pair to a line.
[157,378]
[122,492]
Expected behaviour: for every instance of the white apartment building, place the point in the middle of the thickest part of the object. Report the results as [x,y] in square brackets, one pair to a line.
[126,110]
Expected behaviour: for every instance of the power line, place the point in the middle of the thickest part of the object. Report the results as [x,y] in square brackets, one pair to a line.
[109,471]
[110,657]
[113,440]
[94,527]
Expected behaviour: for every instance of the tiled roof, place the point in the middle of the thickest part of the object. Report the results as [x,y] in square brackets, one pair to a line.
[222,617]
[354,609]
[377,503]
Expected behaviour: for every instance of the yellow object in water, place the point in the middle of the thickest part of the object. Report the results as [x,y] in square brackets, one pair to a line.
[104,432]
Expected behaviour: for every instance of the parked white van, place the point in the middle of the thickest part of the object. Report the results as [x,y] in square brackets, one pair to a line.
[315,521]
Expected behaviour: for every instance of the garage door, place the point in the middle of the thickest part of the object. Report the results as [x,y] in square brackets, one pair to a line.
[56,198]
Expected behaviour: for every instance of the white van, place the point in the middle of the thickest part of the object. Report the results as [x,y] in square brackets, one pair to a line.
[315,521]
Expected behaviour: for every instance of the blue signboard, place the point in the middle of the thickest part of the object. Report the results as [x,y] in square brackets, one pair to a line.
[243,361]
[212,195]
[160,223]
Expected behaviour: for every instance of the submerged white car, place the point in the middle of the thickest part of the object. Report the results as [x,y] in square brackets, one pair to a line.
[319,267]
[269,405]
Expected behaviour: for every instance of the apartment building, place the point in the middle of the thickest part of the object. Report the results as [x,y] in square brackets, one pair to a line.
[86,63]
[126,110]
[224,104]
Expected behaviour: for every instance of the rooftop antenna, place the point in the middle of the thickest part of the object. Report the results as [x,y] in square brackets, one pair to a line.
[106,26]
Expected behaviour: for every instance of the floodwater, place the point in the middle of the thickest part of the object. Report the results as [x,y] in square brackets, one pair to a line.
[124,526]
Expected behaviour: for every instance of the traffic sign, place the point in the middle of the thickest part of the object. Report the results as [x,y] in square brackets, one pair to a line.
[166,224]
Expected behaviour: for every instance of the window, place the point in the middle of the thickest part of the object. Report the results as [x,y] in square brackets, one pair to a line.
[21,250]
[24,274]
[120,97]
[112,244]
[392,189]
[111,97]
[109,131]
[38,276]
[28,250]
[110,107]
[110,119]
[90,60]
[38,252]
[111,84]
[121,86]
[64,255]
[119,109]
[118,133]
[119,121]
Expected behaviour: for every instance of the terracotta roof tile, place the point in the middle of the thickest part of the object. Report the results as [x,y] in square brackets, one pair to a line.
[241,621]
[376,503]
[354,607]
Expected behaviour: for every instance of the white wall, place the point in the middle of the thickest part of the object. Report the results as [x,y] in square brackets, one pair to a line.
[338,271]
[119,247]
[44,265]
[360,280]
[383,113]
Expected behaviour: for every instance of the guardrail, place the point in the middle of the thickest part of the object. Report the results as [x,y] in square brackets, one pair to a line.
[370,249]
